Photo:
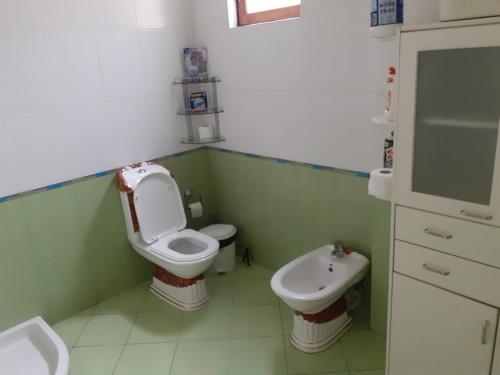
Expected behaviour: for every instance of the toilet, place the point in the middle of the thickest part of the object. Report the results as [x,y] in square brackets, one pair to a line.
[156,228]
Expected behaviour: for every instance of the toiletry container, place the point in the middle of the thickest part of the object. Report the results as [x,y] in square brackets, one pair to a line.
[225,234]
[385,17]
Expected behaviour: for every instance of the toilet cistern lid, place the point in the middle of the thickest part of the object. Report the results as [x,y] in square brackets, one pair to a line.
[158,206]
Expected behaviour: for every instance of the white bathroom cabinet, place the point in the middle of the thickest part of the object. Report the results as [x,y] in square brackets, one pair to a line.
[496,356]
[445,243]
[439,333]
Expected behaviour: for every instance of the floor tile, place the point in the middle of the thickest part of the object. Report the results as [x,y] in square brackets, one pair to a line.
[156,327]
[330,360]
[363,350]
[107,330]
[152,303]
[87,312]
[201,357]
[150,359]
[263,356]
[71,329]
[94,360]
[361,318]
[124,303]
[286,318]
[254,293]
[255,272]
[221,289]
[256,321]
[212,322]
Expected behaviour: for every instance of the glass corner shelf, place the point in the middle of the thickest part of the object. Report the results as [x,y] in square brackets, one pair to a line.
[192,112]
[202,141]
[191,81]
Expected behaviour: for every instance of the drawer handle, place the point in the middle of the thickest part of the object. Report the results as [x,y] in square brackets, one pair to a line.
[485,331]
[476,216]
[445,236]
[438,270]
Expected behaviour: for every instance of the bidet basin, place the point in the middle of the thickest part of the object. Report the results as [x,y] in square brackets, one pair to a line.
[33,348]
[312,282]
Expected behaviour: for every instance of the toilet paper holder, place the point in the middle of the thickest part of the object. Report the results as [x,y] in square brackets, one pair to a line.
[191,197]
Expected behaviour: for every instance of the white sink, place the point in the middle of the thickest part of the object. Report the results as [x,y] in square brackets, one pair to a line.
[32,348]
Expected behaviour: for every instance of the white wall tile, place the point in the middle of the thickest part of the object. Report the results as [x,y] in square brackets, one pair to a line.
[73,66]
[35,143]
[127,119]
[88,140]
[114,14]
[144,128]
[8,182]
[62,61]
[154,14]
[161,56]
[24,84]
[301,89]
[121,67]
[64,14]
[18,14]
[163,133]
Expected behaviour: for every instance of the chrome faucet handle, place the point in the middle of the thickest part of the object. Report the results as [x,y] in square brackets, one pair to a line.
[338,245]
[338,249]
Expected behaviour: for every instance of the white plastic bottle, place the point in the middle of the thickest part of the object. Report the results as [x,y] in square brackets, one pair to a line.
[389,101]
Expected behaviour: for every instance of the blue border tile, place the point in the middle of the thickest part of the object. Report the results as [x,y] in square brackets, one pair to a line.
[178,155]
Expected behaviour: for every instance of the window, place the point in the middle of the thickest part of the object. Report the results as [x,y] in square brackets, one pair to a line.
[258,11]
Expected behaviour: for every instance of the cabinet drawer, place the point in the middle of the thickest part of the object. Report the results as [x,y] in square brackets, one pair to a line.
[464,277]
[462,238]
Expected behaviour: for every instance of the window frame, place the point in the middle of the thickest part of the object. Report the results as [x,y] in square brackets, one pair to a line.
[245,18]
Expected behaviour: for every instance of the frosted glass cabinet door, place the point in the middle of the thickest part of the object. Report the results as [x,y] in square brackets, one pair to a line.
[448,156]
[435,332]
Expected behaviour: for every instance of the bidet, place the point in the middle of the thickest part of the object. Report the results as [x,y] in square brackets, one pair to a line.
[314,285]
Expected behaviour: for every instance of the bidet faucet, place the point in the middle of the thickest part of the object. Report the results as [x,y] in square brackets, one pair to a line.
[338,249]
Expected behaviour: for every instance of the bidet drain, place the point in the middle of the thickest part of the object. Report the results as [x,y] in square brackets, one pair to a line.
[321,287]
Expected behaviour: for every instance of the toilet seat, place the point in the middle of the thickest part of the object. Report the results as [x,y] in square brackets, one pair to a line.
[162,222]
[185,246]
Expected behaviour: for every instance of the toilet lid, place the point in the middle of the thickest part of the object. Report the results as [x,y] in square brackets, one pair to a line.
[158,206]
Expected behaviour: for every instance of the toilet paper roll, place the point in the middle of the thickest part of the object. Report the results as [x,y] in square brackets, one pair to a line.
[206,131]
[380,185]
[196,210]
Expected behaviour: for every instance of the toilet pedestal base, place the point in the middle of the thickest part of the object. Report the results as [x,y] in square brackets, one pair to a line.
[184,294]
[313,333]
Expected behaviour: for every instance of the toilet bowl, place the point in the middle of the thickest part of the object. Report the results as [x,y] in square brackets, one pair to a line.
[156,222]
[314,285]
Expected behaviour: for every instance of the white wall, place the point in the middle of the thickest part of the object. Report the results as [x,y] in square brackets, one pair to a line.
[85,86]
[302,89]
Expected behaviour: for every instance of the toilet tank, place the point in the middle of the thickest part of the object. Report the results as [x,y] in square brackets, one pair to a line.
[127,180]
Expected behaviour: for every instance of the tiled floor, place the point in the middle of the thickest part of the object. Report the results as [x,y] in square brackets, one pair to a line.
[244,330]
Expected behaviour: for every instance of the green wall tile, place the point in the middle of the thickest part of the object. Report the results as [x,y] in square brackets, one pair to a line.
[53,223]
[114,264]
[381,227]
[66,286]
[284,210]
[19,288]
[63,250]
[67,249]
